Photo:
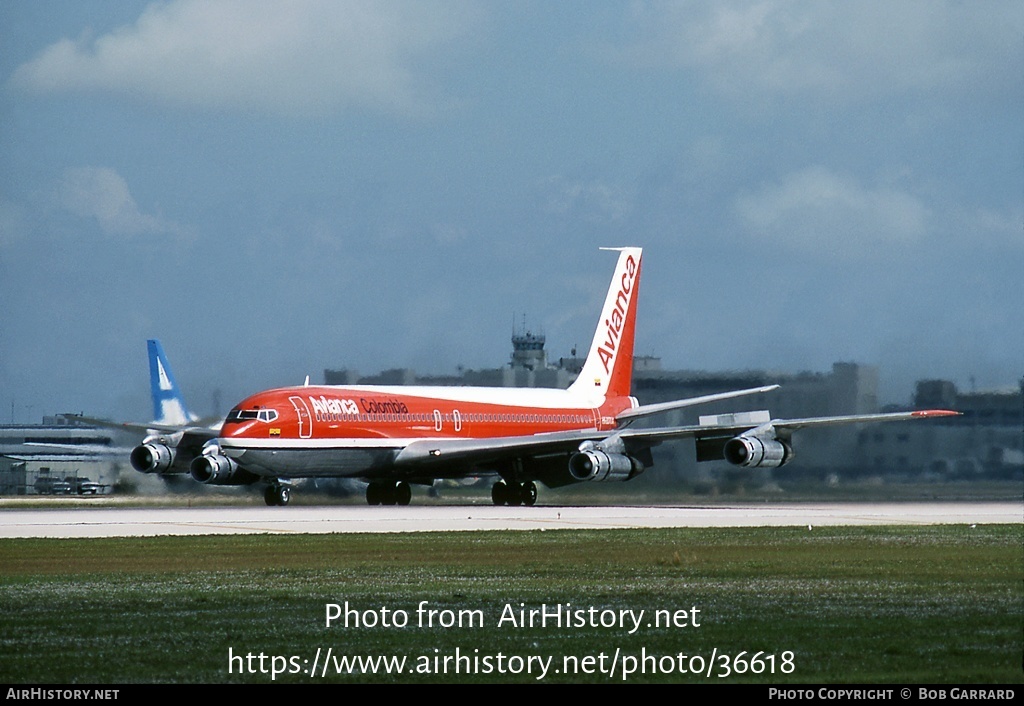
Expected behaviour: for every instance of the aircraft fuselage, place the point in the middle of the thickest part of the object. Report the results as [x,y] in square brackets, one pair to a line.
[357,431]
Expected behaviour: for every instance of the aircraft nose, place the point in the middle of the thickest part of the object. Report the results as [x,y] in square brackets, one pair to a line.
[235,427]
[240,429]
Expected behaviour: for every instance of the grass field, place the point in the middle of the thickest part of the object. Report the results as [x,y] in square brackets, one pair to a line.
[868,605]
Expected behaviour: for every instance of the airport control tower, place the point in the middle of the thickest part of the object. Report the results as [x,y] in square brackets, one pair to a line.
[528,351]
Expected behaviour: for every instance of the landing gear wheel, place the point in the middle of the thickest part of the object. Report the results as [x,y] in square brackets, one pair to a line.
[374,494]
[528,493]
[277,495]
[499,493]
[385,493]
[403,493]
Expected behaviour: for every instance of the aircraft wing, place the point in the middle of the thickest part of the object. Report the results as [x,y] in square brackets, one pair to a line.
[711,435]
[165,448]
[754,439]
[83,449]
[56,455]
[151,427]
[794,424]
[732,424]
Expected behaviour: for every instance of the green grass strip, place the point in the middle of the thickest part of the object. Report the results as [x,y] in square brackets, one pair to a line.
[829,605]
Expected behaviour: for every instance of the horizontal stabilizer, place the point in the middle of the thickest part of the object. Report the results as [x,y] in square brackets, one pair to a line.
[649,409]
[736,419]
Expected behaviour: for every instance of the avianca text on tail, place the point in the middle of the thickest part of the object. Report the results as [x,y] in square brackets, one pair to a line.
[396,437]
[614,325]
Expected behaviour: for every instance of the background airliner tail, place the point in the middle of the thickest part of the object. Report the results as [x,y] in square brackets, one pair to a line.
[608,370]
[168,401]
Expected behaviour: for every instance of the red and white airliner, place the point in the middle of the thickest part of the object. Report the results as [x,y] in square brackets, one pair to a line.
[395,437]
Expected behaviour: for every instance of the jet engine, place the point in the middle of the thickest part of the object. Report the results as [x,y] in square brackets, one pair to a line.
[597,464]
[751,451]
[215,468]
[152,457]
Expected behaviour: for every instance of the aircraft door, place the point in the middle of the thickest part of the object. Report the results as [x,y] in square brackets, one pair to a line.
[305,419]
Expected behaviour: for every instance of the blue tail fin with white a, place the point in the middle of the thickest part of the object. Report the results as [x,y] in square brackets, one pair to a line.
[168,402]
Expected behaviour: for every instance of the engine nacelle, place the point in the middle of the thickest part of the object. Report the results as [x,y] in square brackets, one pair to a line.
[757,452]
[217,469]
[152,457]
[599,465]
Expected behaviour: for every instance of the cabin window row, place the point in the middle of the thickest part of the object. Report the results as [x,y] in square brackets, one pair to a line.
[460,418]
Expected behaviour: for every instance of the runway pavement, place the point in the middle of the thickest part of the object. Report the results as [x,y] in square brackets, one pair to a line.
[156,521]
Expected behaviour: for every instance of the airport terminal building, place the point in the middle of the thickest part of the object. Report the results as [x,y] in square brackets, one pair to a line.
[61,456]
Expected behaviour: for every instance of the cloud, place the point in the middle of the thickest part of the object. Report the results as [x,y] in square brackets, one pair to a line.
[449,234]
[102,194]
[852,50]
[304,56]
[594,202]
[815,208]
[987,228]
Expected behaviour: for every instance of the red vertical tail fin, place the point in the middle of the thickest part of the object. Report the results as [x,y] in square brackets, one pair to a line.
[608,370]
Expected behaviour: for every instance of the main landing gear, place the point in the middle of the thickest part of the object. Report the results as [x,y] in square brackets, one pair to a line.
[503,493]
[277,494]
[388,493]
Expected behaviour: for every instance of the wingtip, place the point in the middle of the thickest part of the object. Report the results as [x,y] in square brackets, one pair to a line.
[936,413]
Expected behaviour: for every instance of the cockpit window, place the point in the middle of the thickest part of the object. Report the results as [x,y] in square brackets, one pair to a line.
[263,415]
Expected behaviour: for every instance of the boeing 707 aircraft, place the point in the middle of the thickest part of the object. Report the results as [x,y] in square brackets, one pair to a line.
[394,437]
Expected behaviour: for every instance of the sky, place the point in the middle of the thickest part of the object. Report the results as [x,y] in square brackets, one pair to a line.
[274,188]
